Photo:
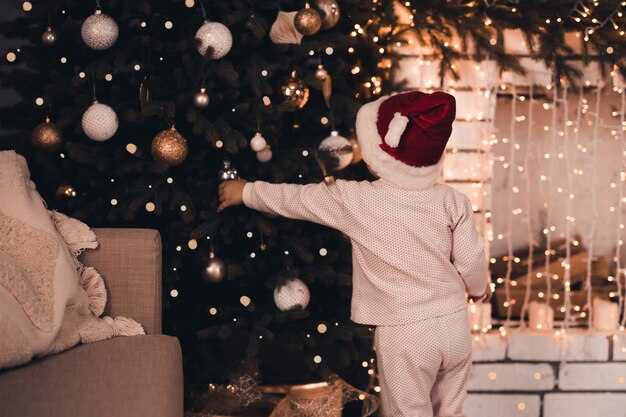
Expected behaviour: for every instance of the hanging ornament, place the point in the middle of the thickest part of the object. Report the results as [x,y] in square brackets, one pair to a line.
[201,99]
[335,152]
[283,30]
[46,137]
[307,21]
[291,295]
[329,11]
[321,73]
[356,151]
[215,270]
[295,92]
[213,40]
[99,31]
[49,37]
[228,172]
[99,122]
[265,155]
[169,147]
[144,90]
[258,142]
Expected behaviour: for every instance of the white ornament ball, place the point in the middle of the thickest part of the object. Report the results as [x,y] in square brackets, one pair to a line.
[99,31]
[214,40]
[292,295]
[99,122]
[338,149]
[258,143]
[265,155]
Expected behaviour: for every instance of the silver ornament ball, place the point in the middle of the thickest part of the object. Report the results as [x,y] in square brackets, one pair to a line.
[258,142]
[336,151]
[99,122]
[214,40]
[214,271]
[99,31]
[49,37]
[201,99]
[293,294]
[321,73]
[330,12]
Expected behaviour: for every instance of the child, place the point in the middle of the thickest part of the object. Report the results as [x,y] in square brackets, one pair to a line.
[416,251]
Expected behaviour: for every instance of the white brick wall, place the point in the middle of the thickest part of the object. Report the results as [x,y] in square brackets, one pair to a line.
[584,405]
[593,377]
[575,346]
[494,405]
[512,377]
[489,347]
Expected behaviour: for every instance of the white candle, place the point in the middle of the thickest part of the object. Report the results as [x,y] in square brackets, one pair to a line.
[479,316]
[541,316]
[605,315]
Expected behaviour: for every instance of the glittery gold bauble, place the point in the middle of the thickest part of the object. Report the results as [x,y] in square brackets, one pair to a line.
[307,21]
[214,271]
[295,92]
[49,37]
[329,12]
[47,137]
[201,99]
[356,151]
[169,147]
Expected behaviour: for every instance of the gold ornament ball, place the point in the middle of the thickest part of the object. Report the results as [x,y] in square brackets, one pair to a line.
[329,12]
[49,37]
[307,21]
[46,137]
[214,271]
[295,92]
[201,99]
[169,147]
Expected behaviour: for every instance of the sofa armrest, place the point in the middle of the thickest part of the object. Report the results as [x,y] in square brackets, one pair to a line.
[129,260]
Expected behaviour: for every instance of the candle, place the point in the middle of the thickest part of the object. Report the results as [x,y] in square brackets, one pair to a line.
[605,315]
[541,316]
[479,316]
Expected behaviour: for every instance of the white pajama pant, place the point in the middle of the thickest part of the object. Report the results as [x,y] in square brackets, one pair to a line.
[424,367]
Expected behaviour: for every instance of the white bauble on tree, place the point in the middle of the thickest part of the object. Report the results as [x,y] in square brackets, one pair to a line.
[99,31]
[214,40]
[293,294]
[99,122]
[265,155]
[258,142]
[335,151]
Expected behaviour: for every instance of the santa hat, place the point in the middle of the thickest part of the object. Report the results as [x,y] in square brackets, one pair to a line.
[403,137]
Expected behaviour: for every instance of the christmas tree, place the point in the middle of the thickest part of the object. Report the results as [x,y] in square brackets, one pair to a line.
[183,104]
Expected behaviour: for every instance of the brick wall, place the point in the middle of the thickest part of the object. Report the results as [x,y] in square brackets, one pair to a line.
[531,374]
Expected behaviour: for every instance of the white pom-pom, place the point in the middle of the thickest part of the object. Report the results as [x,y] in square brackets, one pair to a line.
[396,129]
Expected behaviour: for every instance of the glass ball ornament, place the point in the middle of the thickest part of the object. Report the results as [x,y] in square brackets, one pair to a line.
[293,294]
[307,21]
[46,137]
[201,99]
[214,271]
[295,92]
[321,73]
[169,147]
[213,40]
[99,31]
[49,37]
[258,142]
[99,122]
[265,155]
[329,12]
[335,151]
[228,172]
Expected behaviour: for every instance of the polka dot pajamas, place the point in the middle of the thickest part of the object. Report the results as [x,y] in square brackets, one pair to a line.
[415,254]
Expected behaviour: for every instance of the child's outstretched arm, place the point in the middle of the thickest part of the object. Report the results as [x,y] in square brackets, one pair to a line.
[318,203]
[468,255]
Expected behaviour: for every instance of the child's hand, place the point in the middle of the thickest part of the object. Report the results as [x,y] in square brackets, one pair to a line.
[230,193]
[485,298]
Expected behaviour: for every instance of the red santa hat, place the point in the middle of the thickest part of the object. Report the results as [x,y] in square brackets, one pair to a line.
[403,136]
